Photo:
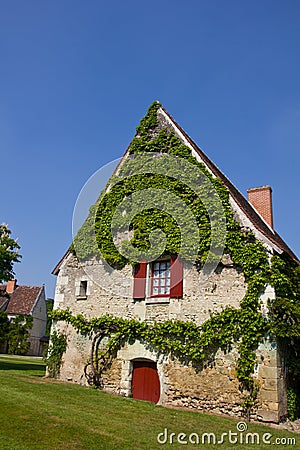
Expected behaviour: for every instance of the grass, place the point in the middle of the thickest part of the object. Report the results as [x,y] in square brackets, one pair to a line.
[40,414]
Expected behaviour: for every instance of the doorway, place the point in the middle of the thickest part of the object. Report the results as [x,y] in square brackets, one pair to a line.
[145,383]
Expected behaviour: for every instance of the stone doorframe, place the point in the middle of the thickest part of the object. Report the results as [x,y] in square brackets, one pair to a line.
[138,352]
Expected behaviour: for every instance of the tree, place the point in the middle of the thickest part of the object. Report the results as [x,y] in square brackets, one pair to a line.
[18,335]
[4,326]
[9,253]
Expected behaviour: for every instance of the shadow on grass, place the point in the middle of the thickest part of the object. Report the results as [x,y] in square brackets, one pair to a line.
[21,366]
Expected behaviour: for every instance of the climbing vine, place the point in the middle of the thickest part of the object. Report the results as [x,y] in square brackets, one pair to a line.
[245,326]
[54,353]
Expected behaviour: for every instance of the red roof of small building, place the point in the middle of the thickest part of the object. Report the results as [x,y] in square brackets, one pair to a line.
[22,300]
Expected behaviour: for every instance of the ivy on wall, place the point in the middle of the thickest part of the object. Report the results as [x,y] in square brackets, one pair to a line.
[54,353]
[246,326]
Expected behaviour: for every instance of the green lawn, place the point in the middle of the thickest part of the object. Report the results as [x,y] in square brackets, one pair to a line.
[37,413]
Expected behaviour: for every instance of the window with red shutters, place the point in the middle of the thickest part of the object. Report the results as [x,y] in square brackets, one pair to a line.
[139,283]
[176,277]
[166,279]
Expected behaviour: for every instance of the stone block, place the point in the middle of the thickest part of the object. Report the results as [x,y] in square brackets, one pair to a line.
[267,416]
[272,406]
[268,372]
[268,396]
[271,384]
[59,298]
[125,385]
[274,360]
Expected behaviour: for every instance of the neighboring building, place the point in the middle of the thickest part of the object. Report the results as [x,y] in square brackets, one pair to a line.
[27,301]
[141,370]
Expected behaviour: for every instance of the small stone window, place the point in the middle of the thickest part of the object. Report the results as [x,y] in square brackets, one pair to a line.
[82,290]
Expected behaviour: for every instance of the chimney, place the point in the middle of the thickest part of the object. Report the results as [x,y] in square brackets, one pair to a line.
[261,199]
[11,286]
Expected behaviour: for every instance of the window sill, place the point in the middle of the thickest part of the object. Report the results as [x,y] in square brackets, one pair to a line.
[157,300]
[81,297]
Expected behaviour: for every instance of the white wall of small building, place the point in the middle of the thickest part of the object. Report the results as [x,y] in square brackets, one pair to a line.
[38,330]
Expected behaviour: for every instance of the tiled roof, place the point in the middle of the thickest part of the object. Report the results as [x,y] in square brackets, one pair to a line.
[22,300]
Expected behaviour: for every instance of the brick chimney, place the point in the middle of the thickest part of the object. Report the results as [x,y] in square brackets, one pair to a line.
[11,286]
[261,199]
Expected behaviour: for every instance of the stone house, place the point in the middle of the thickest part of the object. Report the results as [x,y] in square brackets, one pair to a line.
[27,301]
[165,289]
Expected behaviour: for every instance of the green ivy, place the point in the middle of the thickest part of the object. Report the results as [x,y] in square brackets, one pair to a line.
[54,353]
[99,220]
[185,340]
[293,404]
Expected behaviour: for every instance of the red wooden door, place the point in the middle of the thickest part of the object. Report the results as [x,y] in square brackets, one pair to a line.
[145,381]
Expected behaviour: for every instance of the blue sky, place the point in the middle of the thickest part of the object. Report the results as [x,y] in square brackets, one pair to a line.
[76,77]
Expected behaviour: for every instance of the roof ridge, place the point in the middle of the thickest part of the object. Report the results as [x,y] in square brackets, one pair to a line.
[28,286]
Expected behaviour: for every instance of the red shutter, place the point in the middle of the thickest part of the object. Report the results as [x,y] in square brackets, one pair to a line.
[139,282]
[176,277]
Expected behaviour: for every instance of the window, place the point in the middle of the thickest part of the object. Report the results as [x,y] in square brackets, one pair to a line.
[82,289]
[158,279]
[161,279]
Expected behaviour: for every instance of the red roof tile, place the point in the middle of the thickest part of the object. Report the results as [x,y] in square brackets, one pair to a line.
[22,300]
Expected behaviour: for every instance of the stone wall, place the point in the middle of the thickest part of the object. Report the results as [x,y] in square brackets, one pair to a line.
[212,387]
[226,286]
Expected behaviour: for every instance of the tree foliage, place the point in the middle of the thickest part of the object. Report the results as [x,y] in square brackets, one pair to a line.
[18,334]
[4,326]
[9,253]
[15,332]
